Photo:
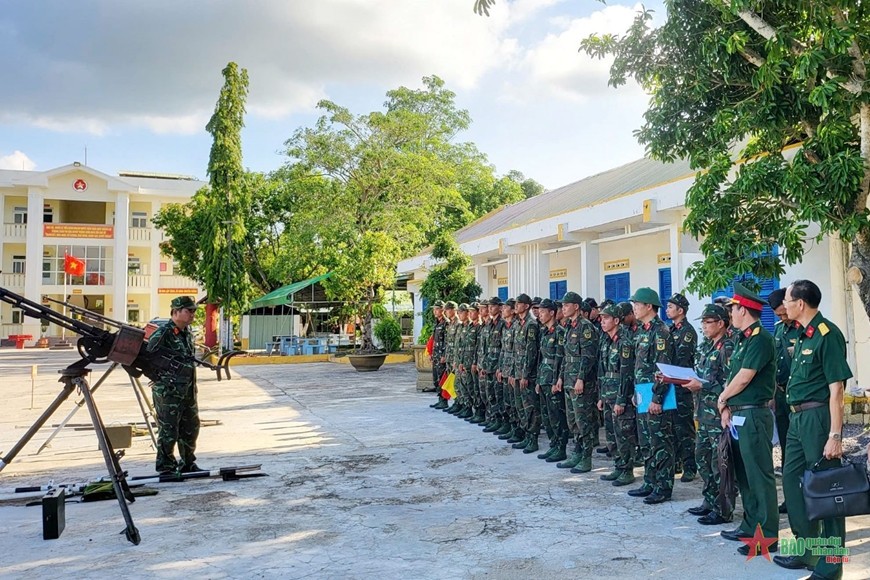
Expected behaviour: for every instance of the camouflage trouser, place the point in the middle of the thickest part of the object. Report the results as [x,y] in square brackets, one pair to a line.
[707,457]
[545,412]
[656,434]
[177,423]
[438,369]
[684,430]
[479,391]
[581,412]
[466,386]
[624,434]
[531,409]
[554,403]
[609,433]
[493,396]
[519,404]
[508,400]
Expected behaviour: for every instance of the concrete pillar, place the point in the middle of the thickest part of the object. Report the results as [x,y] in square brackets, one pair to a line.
[2,222]
[119,279]
[516,274]
[678,280]
[34,248]
[154,304]
[590,271]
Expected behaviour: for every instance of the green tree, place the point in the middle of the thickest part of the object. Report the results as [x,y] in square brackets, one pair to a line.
[769,101]
[450,278]
[530,187]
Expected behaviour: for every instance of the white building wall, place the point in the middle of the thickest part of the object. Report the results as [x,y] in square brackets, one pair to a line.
[642,253]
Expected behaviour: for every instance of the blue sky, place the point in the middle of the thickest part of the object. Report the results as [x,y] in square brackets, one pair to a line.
[135,83]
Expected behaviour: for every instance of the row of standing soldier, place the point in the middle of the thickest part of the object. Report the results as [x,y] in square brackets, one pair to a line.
[525,364]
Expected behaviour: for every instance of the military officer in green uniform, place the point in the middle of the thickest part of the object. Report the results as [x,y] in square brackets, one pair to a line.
[653,344]
[578,381]
[552,337]
[495,402]
[526,373]
[815,397]
[685,339]
[712,366]
[785,335]
[439,348]
[616,385]
[745,400]
[506,369]
[174,391]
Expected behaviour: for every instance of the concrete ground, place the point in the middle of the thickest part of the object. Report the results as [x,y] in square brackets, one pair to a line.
[364,481]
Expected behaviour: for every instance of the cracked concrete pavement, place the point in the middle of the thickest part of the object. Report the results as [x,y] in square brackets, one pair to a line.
[364,481]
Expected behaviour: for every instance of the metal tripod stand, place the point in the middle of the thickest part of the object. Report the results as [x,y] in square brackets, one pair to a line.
[73,377]
[145,406]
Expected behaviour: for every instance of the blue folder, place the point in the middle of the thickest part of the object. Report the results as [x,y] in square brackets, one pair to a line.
[643,393]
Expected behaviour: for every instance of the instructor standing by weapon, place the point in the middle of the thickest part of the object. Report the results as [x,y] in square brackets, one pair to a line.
[174,391]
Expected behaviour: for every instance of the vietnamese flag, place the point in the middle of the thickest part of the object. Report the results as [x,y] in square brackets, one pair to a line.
[448,391]
[430,345]
[73,266]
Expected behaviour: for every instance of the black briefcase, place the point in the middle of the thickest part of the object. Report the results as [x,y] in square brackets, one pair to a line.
[836,492]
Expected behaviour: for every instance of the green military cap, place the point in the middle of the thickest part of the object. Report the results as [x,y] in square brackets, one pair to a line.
[716,312]
[438,304]
[647,296]
[484,302]
[180,302]
[572,298]
[744,297]
[450,304]
[536,301]
[585,306]
[558,303]
[612,310]
[463,307]
[624,309]
[474,306]
[606,302]
[510,302]
[680,301]
[524,299]
[591,302]
[496,301]
[548,304]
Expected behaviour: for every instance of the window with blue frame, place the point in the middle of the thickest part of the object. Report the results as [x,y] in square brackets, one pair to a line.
[665,291]
[617,287]
[503,292]
[768,318]
[558,288]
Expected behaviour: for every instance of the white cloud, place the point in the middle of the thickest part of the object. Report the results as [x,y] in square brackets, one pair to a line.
[17,160]
[555,66]
[96,64]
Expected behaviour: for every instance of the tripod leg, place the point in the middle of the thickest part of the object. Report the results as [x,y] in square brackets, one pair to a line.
[140,395]
[79,404]
[119,481]
[58,401]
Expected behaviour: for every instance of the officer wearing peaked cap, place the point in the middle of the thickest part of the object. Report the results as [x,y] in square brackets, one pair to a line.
[747,392]
[685,339]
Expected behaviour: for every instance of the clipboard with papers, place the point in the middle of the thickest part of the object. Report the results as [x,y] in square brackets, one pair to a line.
[643,395]
[678,375]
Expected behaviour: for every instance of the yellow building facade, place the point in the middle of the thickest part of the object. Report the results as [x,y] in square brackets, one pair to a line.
[104,220]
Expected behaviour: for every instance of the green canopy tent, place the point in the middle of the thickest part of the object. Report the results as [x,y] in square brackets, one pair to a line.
[272,314]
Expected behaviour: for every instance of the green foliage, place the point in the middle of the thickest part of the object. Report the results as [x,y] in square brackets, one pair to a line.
[425,332]
[767,98]
[389,332]
[450,278]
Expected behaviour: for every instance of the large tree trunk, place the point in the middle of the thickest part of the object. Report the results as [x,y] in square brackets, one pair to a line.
[859,271]
[368,344]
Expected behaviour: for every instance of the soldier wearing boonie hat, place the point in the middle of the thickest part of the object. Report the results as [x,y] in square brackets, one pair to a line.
[685,339]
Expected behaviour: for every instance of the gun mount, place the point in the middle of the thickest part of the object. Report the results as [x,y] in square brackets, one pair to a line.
[123,344]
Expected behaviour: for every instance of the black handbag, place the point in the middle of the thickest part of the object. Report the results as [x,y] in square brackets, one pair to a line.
[836,492]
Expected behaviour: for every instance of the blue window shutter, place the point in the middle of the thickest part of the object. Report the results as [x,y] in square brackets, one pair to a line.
[503,292]
[768,318]
[558,289]
[664,290]
[617,287]
[425,305]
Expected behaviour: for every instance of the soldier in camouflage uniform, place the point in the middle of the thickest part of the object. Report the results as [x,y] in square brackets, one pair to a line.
[439,349]
[525,375]
[616,383]
[714,356]
[578,381]
[472,336]
[629,323]
[685,340]
[551,353]
[477,368]
[494,393]
[450,347]
[174,392]
[463,373]
[506,369]
[653,345]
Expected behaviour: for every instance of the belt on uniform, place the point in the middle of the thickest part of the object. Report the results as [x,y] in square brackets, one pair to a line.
[805,406]
[611,375]
[547,359]
[570,358]
[744,407]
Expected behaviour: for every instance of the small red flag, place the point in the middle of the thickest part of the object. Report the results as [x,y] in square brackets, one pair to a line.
[430,345]
[442,379]
[73,266]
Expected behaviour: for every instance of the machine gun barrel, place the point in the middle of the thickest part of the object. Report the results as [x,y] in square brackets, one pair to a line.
[84,312]
[35,310]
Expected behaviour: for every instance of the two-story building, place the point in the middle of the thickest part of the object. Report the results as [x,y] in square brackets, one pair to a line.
[101,219]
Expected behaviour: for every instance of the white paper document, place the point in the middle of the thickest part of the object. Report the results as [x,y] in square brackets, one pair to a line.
[681,373]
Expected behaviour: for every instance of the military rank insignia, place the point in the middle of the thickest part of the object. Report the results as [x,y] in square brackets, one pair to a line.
[660,344]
